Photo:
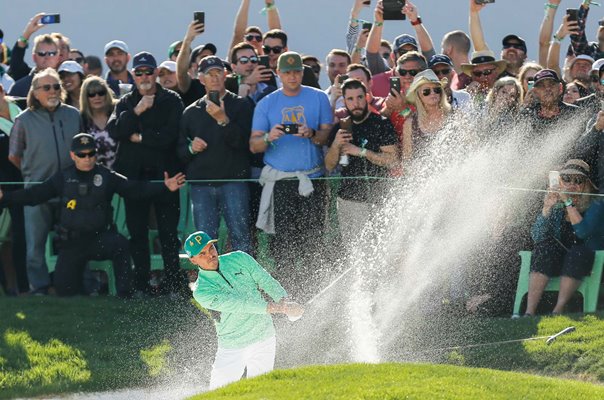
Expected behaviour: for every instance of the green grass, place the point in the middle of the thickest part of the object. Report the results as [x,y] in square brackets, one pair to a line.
[53,345]
[402,381]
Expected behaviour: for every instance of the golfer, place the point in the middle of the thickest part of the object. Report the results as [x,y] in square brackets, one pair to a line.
[230,284]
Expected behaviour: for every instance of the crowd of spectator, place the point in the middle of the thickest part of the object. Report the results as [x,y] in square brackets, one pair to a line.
[254,131]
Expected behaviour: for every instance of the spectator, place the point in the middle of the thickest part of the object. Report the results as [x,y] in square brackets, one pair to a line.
[593,101]
[18,67]
[97,106]
[249,79]
[46,124]
[574,91]
[77,56]
[553,57]
[484,70]
[214,145]
[354,29]
[167,75]
[64,46]
[579,42]
[314,64]
[292,210]
[117,57]
[371,145]
[456,45]
[93,66]
[10,173]
[85,226]
[503,105]
[72,76]
[401,45]
[174,50]
[362,73]
[274,44]
[579,69]
[427,94]
[566,234]
[526,76]
[191,89]
[336,63]
[252,34]
[45,55]
[145,125]
[386,52]
[442,66]
[513,46]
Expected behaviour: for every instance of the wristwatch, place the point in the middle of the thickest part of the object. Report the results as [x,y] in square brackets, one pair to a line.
[568,202]
[417,21]
[224,123]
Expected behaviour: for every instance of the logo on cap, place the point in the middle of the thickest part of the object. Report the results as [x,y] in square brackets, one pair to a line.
[84,140]
[291,60]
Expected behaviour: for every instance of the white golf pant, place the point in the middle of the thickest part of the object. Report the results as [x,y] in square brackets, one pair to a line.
[229,364]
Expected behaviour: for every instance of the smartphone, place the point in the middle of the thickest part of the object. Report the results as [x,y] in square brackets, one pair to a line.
[50,19]
[346,124]
[367,25]
[263,60]
[367,2]
[484,1]
[395,84]
[342,78]
[573,14]
[214,97]
[199,16]
[290,129]
[554,179]
[392,10]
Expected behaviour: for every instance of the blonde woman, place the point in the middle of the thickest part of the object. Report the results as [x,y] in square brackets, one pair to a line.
[566,234]
[427,94]
[504,98]
[97,102]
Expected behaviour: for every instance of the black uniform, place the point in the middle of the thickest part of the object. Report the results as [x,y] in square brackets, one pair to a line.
[86,226]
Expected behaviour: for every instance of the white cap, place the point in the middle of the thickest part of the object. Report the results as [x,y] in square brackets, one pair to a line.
[169,65]
[71,66]
[581,57]
[597,65]
[116,44]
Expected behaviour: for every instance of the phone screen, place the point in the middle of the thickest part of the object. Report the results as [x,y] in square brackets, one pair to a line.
[199,16]
[214,97]
[395,84]
[573,14]
[263,60]
[50,19]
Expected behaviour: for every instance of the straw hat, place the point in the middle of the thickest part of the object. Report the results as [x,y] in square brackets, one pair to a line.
[426,76]
[484,57]
[577,167]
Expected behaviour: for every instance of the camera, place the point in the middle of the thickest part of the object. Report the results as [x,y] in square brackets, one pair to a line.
[50,19]
[290,129]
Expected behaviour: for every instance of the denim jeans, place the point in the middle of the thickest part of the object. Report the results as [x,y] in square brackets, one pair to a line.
[232,201]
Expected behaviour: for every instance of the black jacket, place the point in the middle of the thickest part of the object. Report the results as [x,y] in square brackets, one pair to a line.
[85,197]
[227,155]
[159,128]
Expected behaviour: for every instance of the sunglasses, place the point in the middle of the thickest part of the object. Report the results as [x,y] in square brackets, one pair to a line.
[404,72]
[47,53]
[90,154]
[486,72]
[577,180]
[55,86]
[274,50]
[436,90]
[255,38]
[386,55]
[244,60]
[444,71]
[100,93]
[513,46]
[141,72]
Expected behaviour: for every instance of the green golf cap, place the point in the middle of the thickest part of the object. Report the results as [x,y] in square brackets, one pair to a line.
[196,242]
[290,61]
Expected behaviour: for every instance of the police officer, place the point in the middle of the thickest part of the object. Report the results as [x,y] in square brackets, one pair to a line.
[86,226]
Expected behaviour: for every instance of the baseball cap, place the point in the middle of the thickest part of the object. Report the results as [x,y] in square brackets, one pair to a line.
[210,62]
[169,65]
[116,44]
[196,242]
[290,61]
[515,38]
[144,59]
[199,49]
[581,57]
[439,59]
[598,65]
[402,40]
[82,141]
[71,66]
[546,74]
[173,47]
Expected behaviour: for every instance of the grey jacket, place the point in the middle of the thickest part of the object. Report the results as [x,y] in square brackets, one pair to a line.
[42,140]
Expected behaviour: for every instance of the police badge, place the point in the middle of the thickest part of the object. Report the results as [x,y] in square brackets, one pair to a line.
[97,180]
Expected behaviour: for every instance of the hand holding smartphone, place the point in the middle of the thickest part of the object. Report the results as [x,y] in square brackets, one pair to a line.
[214,97]
[554,180]
[395,84]
[263,60]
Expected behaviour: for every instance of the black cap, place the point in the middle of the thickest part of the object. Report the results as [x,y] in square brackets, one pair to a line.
[516,38]
[210,62]
[197,50]
[439,59]
[144,59]
[545,74]
[82,142]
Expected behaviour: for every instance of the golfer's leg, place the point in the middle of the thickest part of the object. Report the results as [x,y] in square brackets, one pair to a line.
[260,357]
[228,367]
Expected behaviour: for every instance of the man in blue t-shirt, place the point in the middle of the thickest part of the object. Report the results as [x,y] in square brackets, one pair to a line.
[290,125]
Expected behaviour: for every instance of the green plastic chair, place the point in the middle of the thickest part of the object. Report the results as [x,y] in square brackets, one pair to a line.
[589,289]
